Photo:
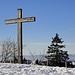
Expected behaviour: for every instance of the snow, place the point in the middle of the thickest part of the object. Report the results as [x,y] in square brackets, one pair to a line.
[24,69]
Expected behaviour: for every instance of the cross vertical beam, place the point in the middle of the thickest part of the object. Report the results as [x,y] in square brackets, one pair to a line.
[20,37]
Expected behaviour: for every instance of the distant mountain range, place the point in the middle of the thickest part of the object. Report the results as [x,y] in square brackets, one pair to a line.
[71,56]
[41,57]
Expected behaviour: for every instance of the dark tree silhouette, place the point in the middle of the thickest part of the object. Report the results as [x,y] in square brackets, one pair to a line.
[56,56]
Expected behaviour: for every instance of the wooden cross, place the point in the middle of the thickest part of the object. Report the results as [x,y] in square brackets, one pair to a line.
[19,20]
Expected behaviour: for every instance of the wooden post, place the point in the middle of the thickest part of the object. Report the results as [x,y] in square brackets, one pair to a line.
[20,37]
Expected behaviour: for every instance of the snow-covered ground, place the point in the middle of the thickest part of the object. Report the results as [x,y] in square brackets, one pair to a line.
[23,69]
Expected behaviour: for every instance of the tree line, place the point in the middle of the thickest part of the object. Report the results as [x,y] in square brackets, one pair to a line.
[55,55]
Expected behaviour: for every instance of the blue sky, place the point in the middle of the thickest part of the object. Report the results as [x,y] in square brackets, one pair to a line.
[52,16]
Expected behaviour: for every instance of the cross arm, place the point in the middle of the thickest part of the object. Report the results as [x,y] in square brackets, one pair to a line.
[11,21]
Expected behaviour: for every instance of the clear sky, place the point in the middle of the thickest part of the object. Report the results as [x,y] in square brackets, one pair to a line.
[52,16]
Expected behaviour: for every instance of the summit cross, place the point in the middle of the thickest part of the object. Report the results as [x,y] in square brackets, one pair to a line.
[19,20]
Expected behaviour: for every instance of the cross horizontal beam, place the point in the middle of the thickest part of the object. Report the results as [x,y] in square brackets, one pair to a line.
[28,19]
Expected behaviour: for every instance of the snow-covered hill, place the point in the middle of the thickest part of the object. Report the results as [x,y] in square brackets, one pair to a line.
[23,69]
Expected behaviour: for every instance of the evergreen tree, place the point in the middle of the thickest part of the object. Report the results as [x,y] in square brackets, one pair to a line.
[56,56]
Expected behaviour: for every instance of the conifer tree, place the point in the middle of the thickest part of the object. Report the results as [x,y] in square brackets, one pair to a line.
[56,56]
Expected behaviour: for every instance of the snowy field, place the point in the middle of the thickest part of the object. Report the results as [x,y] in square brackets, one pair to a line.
[23,69]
